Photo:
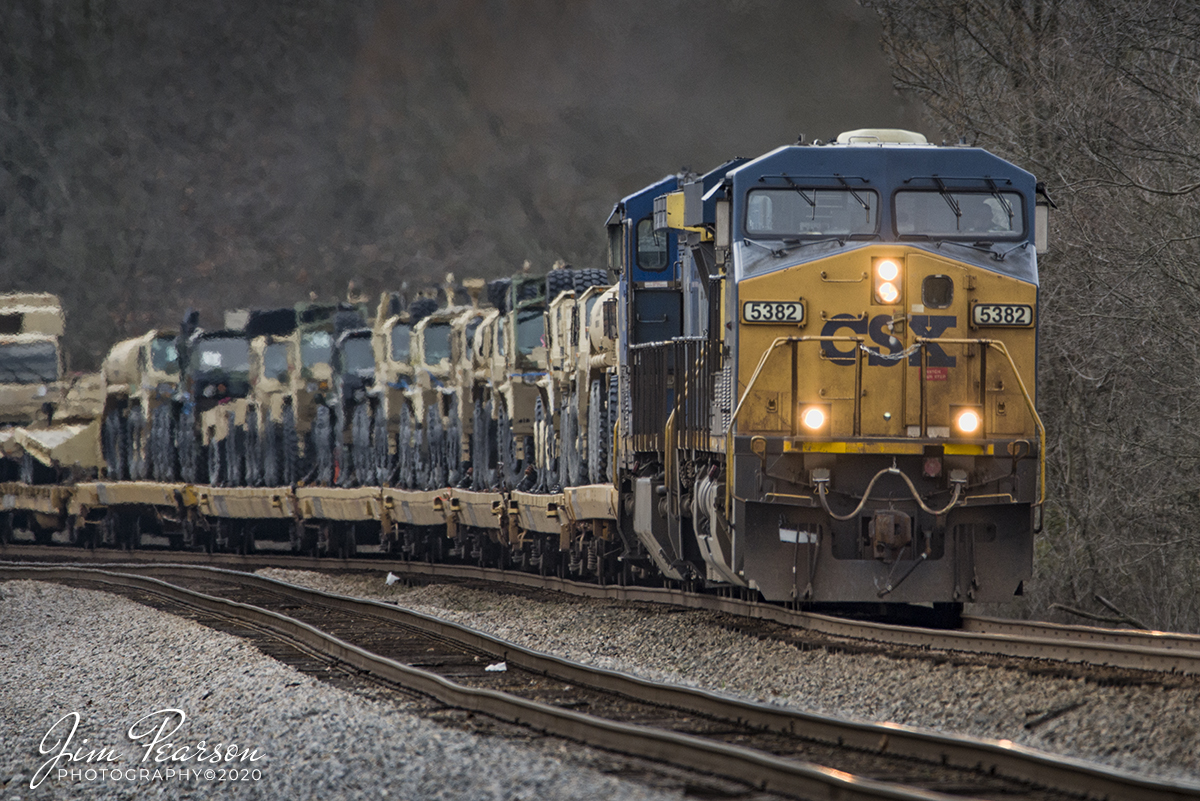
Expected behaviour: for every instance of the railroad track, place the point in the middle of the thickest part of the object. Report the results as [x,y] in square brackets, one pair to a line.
[763,746]
[1158,652]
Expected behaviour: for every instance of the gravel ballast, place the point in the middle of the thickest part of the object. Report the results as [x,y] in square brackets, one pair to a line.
[1148,729]
[113,661]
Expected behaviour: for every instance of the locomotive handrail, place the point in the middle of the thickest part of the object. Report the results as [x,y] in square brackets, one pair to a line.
[763,361]
[754,378]
[922,342]
[1041,428]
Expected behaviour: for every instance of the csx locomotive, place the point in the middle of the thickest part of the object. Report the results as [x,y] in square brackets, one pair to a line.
[812,378]
[849,411]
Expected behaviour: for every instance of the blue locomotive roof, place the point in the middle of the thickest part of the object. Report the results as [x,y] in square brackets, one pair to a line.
[887,169]
[641,202]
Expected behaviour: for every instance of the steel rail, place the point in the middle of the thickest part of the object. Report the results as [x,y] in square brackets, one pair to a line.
[1117,648]
[1167,640]
[756,769]
[1001,758]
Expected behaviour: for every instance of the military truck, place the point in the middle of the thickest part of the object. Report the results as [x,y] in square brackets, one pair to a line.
[356,405]
[571,372]
[211,439]
[518,363]
[49,420]
[141,377]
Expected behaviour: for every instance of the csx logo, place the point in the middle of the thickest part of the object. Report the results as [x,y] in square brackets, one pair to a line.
[922,325]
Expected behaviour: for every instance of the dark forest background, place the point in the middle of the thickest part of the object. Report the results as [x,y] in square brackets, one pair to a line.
[157,156]
[224,154]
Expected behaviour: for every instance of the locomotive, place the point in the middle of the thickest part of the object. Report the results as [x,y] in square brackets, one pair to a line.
[848,412]
[809,376]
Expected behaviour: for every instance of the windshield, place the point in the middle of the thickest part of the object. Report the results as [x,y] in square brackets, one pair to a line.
[230,355]
[437,342]
[651,246]
[357,356]
[969,215]
[163,356]
[28,363]
[531,325]
[275,361]
[401,342]
[800,211]
[316,347]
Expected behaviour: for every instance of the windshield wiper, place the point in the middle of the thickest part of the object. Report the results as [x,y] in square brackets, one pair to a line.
[950,201]
[1004,204]
[866,206]
[789,244]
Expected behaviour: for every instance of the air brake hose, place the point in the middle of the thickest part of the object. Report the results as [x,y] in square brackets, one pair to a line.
[957,478]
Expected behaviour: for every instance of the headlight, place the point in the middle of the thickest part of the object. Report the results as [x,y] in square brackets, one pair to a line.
[887,281]
[968,421]
[814,418]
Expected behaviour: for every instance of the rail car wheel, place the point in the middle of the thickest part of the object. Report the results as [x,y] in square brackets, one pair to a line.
[347,541]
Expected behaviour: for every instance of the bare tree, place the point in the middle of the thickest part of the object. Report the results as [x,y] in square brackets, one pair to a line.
[1098,98]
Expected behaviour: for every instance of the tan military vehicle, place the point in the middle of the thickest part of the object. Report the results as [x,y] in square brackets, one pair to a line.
[141,377]
[49,420]
[560,419]
[575,363]
[431,398]
[517,363]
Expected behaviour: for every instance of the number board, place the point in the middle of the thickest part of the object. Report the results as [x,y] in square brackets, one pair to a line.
[1016,315]
[771,311]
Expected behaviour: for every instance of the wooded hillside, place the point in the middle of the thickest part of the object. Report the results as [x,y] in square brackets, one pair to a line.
[1098,98]
[156,156]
